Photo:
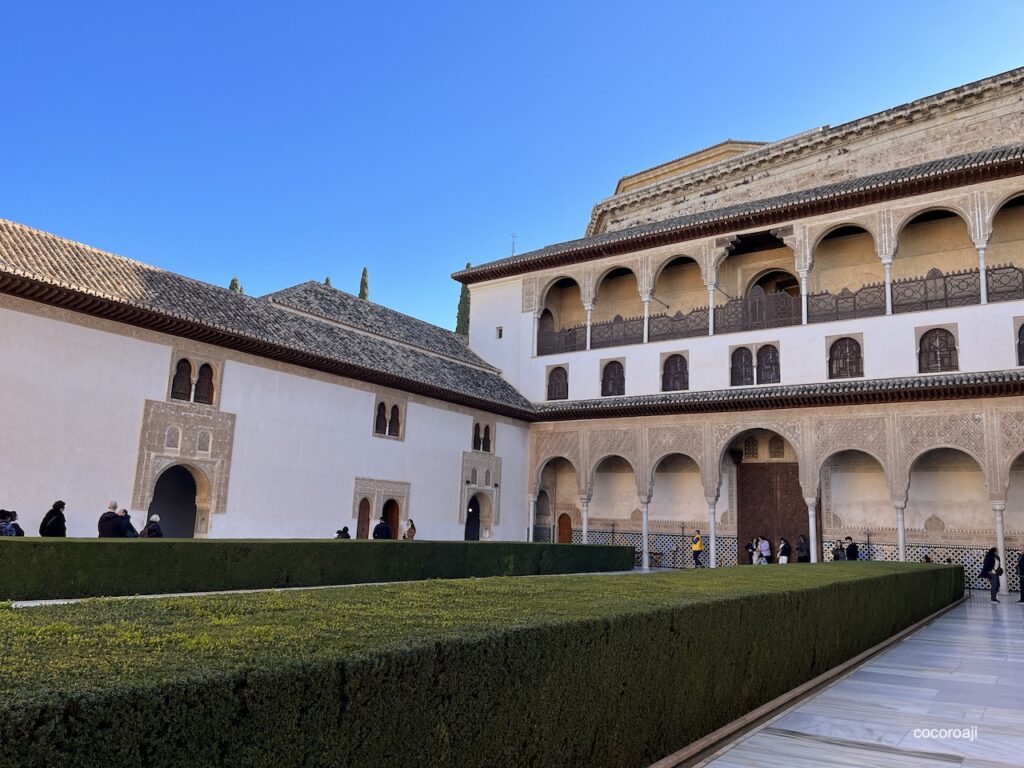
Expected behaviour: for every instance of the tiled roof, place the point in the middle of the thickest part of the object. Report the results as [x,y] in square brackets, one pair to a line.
[256,323]
[340,307]
[525,261]
[838,392]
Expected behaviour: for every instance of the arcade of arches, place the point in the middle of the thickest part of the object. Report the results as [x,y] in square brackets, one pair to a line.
[906,480]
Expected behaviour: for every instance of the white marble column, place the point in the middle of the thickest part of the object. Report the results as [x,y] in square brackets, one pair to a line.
[711,308]
[887,266]
[712,534]
[812,526]
[901,531]
[982,273]
[533,517]
[590,314]
[585,505]
[536,328]
[645,547]
[998,507]
[647,314]
[803,296]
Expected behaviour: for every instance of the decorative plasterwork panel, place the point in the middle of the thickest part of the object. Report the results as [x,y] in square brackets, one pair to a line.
[962,431]
[613,442]
[662,441]
[211,469]
[549,445]
[379,492]
[481,475]
[530,294]
[866,434]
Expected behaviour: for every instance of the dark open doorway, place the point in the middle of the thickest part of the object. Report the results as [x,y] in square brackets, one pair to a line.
[473,520]
[174,499]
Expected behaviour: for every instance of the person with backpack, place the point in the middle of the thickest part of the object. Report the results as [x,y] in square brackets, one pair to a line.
[6,528]
[128,531]
[54,524]
[152,529]
[13,519]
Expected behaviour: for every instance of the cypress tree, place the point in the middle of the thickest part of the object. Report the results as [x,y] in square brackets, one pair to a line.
[327,281]
[364,284]
[235,286]
[462,315]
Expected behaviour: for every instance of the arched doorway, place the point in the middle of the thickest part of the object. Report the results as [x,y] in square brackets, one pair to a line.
[769,499]
[855,502]
[174,500]
[392,513]
[564,529]
[542,524]
[363,523]
[473,520]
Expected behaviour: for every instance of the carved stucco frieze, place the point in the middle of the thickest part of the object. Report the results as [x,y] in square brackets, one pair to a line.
[866,434]
[613,442]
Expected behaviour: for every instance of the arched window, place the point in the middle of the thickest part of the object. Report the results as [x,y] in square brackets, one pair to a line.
[742,372]
[395,422]
[1020,346]
[181,384]
[380,424]
[487,478]
[173,438]
[675,375]
[613,379]
[768,365]
[486,443]
[844,359]
[776,447]
[473,477]
[476,437]
[750,447]
[937,352]
[204,385]
[546,323]
[558,384]
[203,442]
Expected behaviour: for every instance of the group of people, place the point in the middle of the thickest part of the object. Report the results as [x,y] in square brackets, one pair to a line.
[846,550]
[113,524]
[382,530]
[759,550]
[53,526]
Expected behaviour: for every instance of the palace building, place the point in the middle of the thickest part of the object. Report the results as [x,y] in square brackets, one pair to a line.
[818,336]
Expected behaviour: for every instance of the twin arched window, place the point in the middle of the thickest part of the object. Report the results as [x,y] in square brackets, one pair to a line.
[845,360]
[768,368]
[181,384]
[675,375]
[558,384]
[388,423]
[613,379]
[482,437]
[937,352]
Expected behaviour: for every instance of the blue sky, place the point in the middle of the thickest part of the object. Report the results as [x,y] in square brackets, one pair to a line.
[282,142]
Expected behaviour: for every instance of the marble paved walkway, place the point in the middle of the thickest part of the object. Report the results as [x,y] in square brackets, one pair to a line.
[965,670]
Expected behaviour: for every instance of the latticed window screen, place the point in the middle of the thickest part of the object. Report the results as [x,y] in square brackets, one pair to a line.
[776,447]
[613,379]
[181,385]
[675,375]
[558,384]
[768,371]
[750,447]
[204,385]
[937,352]
[845,360]
[173,438]
[203,442]
[742,372]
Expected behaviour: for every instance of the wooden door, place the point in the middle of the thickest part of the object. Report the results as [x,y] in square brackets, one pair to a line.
[391,511]
[770,503]
[363,523]
[564,529]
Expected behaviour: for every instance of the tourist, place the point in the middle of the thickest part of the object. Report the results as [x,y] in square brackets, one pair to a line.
[1020,574]
[927,558]
[12,518]
[697,547]
[128,529]
[110,525]
[410,531]
[803,553]
[153,529]
[766,550]
[6,529]
[752,550]
[992,569]
[343,533]
[783,550]
[852,553]
[54,524]
[382,530]
[838,552]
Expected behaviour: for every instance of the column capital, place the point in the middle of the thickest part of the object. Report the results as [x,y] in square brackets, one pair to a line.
[899,505]
[588,306]
[711,500]
[811,501]
[981,243]
[998,506]
[644,500]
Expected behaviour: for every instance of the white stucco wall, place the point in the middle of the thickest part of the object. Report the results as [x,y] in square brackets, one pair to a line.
[72,413]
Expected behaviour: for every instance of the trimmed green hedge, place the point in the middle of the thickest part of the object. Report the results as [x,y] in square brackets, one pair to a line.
[39,569]
[567,671]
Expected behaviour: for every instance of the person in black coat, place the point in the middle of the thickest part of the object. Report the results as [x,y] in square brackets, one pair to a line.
[992,569]
[852,552]
[113,525]
[13,519]
[382,530]
[54,524]
[153,529]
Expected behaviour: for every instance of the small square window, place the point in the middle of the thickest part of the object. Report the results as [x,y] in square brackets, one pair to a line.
[497,332]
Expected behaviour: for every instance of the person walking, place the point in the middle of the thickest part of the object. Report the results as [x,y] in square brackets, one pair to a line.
[992,569]
[803,552]
[382,530]
[697,547]
[852,552]
[109,524]
[766,551]
[410,531]
[783,550]
[54,523]
[153,529]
